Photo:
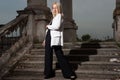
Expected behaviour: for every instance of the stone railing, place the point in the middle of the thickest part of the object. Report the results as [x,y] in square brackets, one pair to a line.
[14,43]
[12,32]
[13,38]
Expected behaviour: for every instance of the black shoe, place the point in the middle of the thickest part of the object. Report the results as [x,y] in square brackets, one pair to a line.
[50,76]
[71,77]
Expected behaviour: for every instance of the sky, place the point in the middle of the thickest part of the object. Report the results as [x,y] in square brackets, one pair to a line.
[94,17]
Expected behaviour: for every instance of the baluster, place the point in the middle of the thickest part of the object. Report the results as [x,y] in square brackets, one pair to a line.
[1,45]
[6,42]
[12,34]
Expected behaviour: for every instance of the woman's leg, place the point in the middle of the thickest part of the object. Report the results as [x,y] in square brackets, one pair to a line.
[48,70]
[63,62]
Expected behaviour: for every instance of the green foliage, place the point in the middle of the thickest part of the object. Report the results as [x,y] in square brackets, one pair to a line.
[86,37]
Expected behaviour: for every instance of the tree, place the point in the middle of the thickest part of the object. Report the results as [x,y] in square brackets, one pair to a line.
[86,37]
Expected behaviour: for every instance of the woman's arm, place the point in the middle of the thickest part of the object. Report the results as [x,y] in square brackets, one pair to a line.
[55,23]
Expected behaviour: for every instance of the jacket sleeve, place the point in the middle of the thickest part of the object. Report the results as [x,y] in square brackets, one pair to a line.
[55,23]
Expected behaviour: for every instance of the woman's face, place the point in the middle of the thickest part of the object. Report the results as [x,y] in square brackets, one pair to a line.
[55,9]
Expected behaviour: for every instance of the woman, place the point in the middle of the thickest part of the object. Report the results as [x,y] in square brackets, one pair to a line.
[54,41]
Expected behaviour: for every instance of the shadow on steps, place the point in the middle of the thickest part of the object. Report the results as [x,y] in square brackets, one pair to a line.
[78,55]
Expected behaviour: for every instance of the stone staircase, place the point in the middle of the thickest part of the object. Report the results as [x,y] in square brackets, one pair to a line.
[91,61]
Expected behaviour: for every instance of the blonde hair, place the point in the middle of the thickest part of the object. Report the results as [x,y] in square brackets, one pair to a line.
[59,7]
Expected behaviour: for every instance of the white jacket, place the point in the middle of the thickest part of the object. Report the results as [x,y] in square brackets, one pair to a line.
[56,31]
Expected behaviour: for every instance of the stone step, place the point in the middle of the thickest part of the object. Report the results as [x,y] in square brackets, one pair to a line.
[95,45]
[91,61]
[24,77]
[91,51]
[84,45]
[85,51]
[100,58]
[109,66]
[42,51]
[32,64]
[72,57]
[29,57]
[40,77]
[80,74]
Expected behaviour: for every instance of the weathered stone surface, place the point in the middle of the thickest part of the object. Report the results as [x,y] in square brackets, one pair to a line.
[68,24]
[116,23]
[116,27]
[88,65]
[38,17]
[33,3]
[10,58]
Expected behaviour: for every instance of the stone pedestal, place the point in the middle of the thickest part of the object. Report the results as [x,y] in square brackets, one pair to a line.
[116,23]
[69,24]
[116,28]
[38,17]
[118,3]
[36,3]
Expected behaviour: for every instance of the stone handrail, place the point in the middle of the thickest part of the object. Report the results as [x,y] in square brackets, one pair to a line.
[13,38]
[11,24]
[12,32]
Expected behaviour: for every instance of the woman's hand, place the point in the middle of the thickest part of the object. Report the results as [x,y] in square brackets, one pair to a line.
[46,27]
[43,43]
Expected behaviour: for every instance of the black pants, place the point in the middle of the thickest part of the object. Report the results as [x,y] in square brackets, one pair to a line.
[63,62]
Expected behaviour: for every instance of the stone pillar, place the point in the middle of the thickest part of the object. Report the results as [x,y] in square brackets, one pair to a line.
[69,24]
[33,3]
[117,3]
[117,29]
[116,25]
[40,17]
[30,28]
